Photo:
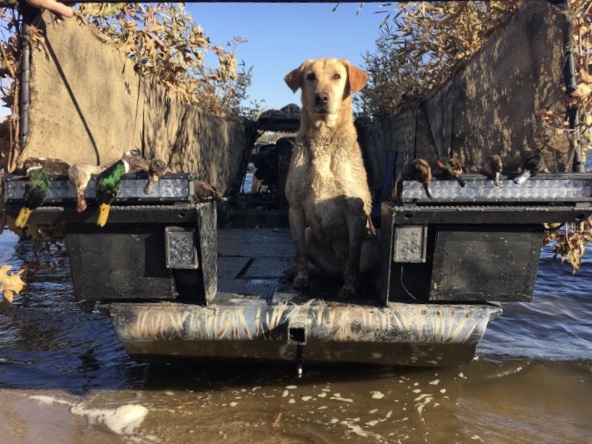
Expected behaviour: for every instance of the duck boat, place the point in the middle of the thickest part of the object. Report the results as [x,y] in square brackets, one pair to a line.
[184,278]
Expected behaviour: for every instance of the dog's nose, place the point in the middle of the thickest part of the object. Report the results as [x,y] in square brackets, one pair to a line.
[321,97]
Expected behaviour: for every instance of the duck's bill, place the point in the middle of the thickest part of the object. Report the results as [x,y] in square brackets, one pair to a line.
[23,217]
[80,202]
[103,214]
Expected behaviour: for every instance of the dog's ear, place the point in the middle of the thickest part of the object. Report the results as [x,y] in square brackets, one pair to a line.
[356,77]
[294,78]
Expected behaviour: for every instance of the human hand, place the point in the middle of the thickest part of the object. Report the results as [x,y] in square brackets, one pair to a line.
[53,6]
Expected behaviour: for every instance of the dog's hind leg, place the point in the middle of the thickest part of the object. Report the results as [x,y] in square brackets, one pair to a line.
[321,256]
[356,226]
[297,228]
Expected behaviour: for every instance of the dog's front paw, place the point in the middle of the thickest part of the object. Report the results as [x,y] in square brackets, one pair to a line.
[346,292]
[301,281]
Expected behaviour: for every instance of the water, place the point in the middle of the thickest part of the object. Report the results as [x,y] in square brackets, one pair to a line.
[64,378]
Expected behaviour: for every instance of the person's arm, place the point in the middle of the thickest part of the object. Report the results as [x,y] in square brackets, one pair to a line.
[51,5]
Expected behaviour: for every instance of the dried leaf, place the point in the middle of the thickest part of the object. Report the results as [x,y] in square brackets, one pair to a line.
[10,284]
[582,91]
[585,76]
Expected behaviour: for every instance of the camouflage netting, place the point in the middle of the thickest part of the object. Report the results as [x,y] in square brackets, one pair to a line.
[492,105]
[88,105]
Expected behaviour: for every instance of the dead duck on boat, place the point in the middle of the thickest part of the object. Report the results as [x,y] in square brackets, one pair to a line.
[531,167]
[53,167]
[109,181]
[79,175]
[206,192]
[493,166]
[452,168]
[156,171]
[37,170]
[420,170]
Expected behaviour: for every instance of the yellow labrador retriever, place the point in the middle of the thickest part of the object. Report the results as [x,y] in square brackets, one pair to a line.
[326,187]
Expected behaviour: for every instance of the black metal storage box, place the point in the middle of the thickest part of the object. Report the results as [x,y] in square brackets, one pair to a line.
[156,246]
[473,243]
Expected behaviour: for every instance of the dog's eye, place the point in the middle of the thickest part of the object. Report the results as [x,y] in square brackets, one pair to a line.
[310,76]
[336,76]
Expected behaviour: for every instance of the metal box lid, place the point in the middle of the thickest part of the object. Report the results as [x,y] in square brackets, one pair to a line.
[568,187]
[173,187]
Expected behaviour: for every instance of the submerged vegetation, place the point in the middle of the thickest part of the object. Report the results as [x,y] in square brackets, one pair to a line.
[569,242]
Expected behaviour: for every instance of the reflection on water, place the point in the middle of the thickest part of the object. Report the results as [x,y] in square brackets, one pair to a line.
[48,340]
[532,377]
[554,326]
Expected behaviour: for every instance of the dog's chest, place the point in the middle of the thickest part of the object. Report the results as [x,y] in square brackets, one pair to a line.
[324,176]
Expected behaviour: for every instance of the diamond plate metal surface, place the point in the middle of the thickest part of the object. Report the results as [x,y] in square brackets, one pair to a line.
[536,189]
[176,186]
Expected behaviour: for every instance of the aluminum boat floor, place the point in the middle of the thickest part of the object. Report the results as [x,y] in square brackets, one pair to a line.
[252,262]
[256,263]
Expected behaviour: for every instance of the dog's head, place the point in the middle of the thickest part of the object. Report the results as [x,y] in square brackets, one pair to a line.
[326,84]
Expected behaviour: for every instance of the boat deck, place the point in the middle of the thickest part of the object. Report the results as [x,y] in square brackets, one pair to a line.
[253,262]
[256,263]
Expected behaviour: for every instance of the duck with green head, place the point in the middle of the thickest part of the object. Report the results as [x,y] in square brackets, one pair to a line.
[36,190]
[108,182]
[107,188]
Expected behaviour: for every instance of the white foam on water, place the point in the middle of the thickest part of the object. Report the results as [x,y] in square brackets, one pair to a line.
[122,420]
[338,397]
[377,395]
[44,399]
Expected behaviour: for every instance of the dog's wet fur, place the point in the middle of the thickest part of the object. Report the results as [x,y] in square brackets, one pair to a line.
[327,187]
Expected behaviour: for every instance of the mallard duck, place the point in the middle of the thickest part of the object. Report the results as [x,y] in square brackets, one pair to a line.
[492,166]
[53,167]
[79,176]
[108,182]
[156,170]
[107,188]
[136,161]
[206,192]
[420,170]
[36,190]
[452,168]
[532,166]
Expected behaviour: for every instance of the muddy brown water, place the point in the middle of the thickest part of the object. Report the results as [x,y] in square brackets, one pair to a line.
[65,378]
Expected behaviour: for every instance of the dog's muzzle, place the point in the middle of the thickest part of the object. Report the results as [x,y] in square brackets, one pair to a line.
[322,102]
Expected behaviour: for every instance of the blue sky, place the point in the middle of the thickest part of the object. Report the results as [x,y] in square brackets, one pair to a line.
[282,35]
